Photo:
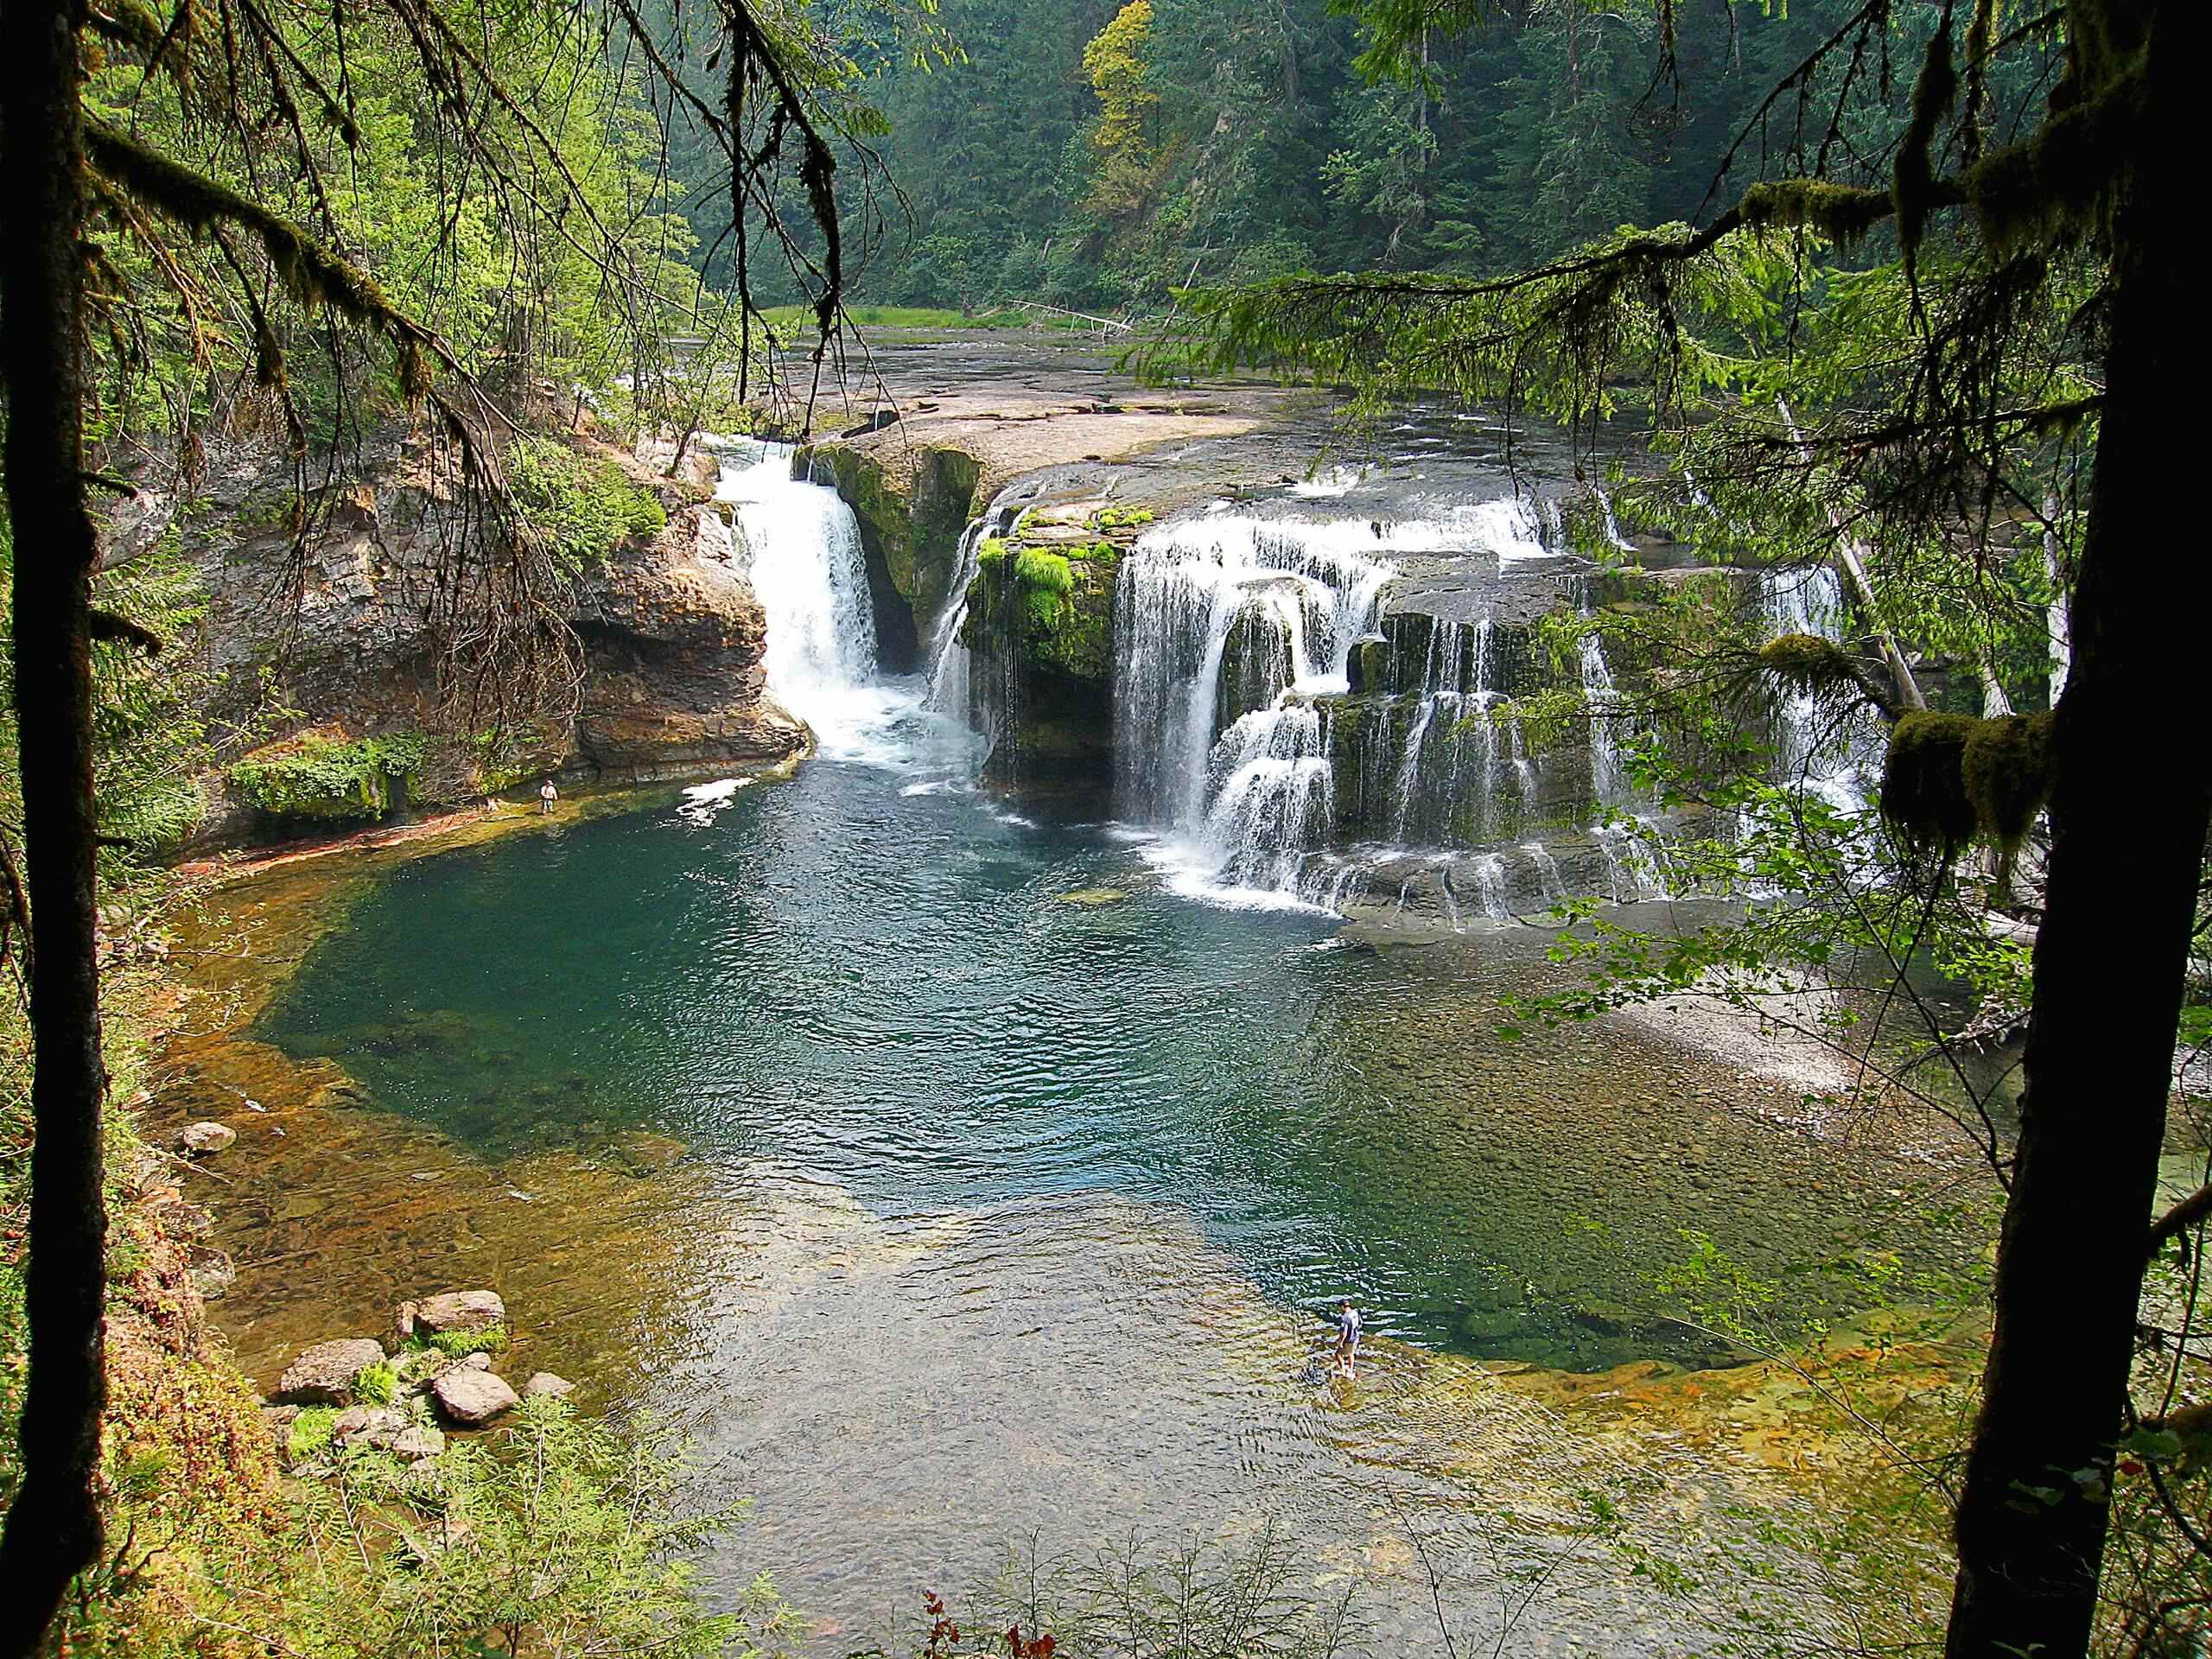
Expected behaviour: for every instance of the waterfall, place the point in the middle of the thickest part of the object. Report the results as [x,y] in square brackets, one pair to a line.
[800,546]
[1244,806]
[1833,764]
[1608,784]
[1546,871]
[1489,886]
[944,659]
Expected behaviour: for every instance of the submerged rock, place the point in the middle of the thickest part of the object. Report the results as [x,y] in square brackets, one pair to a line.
[213,1273]
[470,1397]
[323,1375]
[1094,898]
[544,1383]
[205,1140]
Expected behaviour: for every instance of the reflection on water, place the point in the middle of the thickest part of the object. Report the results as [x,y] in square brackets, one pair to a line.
[942,1209]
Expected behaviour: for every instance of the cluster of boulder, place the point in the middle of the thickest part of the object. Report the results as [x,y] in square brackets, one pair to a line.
[433,1374]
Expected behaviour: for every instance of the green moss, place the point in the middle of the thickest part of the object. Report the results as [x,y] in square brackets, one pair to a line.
[311,1434]
[1842,212]
[1950,777]
[1042,572]
[1121,518]
[376,1382]
[2007,771]
[1054,608]
[587,506]
[326,776]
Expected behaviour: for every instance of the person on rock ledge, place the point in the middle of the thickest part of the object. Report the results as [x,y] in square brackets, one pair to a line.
[546,796]
[1348,1326]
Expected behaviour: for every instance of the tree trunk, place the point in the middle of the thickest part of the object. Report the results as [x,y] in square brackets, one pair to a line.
[54,1528]
[2128,811]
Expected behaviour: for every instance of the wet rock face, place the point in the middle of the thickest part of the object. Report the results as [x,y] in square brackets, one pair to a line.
[913,509]
[323,1375]
[1039,630]
[674,640]
[673,637]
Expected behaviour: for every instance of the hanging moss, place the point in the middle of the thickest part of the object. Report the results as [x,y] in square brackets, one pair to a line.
[2007,771]
[1805,662]
[1923,792]
[1842,212]
[1952,778]
[1934,90]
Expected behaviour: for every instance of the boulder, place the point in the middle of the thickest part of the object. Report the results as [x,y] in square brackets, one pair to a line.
[378,1425]
[545,1382]
[323,1375]
[204,1140]
[455,1310]
[470,1397]
[417,1442]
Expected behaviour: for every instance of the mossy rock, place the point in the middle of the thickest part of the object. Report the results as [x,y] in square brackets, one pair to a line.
[323,775]
[1053,613]
[911,525]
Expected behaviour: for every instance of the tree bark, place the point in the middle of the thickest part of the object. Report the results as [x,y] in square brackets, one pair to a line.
[2128,811]
[53,1527]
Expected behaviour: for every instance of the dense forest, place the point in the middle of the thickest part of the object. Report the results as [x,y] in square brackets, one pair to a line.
[1098,157]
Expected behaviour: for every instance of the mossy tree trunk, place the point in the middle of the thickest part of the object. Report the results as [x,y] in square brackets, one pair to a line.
[54,1525]
[2128,812]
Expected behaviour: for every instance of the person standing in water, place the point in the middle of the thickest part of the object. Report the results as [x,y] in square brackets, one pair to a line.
[1348,1328]
[546,796]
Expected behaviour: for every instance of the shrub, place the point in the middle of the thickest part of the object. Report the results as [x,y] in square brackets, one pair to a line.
[561,1536]
[586,506]
[311,1434]
[459,1345]
[377,1382]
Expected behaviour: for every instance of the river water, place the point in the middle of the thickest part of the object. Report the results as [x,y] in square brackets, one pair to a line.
[954,1180]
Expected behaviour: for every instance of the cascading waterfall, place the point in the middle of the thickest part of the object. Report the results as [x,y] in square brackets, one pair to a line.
[1244,810]
[1546,871]
[1834,765]
[800,546]
[1608,782]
